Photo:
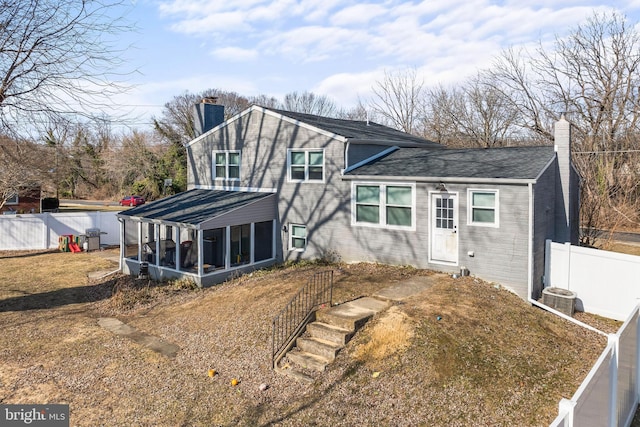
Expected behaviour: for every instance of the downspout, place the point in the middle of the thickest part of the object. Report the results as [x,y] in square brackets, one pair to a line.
[122,243]
[530,273]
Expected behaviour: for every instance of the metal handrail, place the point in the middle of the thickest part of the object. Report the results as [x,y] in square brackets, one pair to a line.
[289,322]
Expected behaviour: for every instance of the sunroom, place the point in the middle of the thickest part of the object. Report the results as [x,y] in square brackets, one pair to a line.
[204,235]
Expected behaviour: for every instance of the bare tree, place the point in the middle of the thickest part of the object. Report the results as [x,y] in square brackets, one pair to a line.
[398,99]
[593,74]
[20,166]
[176,124]
[359,112]
[475,115]
[57,57]
[309,103]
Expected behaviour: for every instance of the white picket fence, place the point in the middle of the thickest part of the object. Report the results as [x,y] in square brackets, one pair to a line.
[41,231]
[606,283]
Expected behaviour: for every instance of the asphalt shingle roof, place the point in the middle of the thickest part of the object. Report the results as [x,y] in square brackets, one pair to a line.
[355,129]
[506,163]
[194,206]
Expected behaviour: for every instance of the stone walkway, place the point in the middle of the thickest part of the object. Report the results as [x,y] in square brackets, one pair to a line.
[151,342]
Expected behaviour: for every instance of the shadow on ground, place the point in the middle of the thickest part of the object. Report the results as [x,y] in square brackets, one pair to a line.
[57,298]
[68,296]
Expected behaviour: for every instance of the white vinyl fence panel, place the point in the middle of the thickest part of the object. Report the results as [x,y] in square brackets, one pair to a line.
[41,231]
[608,397]
[606,283]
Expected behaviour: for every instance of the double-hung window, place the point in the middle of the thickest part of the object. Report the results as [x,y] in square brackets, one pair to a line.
[483,208]
[13,200]
[306,165]
[226,165]
[384,205]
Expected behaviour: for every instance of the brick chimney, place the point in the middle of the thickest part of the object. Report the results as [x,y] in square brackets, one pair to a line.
[567,196]
[207,114]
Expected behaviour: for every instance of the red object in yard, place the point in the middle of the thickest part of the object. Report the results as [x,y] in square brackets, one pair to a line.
[74,247]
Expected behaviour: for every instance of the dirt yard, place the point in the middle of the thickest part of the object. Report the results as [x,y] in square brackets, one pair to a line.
[462,353]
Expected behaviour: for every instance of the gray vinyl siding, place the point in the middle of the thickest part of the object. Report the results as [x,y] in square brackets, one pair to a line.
[262,210]
[544,227]
[263,141]
[499,254]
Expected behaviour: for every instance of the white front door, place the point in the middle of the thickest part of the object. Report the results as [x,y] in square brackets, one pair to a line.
[444,228]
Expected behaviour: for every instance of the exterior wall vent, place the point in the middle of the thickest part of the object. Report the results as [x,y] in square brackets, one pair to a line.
[559,299]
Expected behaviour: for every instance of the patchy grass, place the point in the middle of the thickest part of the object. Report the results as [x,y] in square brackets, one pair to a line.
[624,248]
[77,207]
[491,359]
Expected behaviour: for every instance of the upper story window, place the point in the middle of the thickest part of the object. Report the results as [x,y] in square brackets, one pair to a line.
[226,165]
[483,208]
[383,205]
[305,165]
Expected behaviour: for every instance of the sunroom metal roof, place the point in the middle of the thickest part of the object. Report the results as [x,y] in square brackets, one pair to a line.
[194,207]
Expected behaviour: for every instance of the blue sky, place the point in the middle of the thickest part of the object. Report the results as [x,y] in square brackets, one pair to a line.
[338,48]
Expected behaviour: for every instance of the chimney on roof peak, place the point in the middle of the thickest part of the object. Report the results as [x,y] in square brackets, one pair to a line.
[207,114]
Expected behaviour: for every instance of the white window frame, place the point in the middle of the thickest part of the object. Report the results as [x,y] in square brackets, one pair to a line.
[306,152]
[292,248]
[226,164]
[470,208]
[383,205]
[13,200]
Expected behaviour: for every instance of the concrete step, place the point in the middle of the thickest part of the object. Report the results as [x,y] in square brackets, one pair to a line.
[307,360]
[319,347]
[353,314]
[330,333]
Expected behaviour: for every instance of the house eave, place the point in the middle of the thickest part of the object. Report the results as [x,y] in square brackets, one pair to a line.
[452,180]
[395,142]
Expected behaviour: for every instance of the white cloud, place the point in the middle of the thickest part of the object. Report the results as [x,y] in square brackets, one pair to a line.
[217,23]
[358,14]
[313,43]
[340,47]
[235,54]
[347,88]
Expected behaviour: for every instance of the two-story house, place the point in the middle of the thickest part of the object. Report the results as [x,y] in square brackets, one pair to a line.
[267,186]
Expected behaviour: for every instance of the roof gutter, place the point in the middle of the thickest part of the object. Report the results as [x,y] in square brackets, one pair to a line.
[398,143]
[452,180]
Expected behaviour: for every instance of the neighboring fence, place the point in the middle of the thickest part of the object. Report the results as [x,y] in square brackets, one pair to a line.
[606,283]
[287,325]
[608,397]
[41,231]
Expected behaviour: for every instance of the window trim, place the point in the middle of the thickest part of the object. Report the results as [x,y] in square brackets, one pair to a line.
[214,165]
[292,248]
[9,201]
[383,205]
[470,207]
[306,152]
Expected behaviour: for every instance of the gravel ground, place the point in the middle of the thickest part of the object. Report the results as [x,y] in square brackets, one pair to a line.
[61,355]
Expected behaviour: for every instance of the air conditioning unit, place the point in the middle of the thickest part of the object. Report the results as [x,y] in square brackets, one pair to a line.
[559,299]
